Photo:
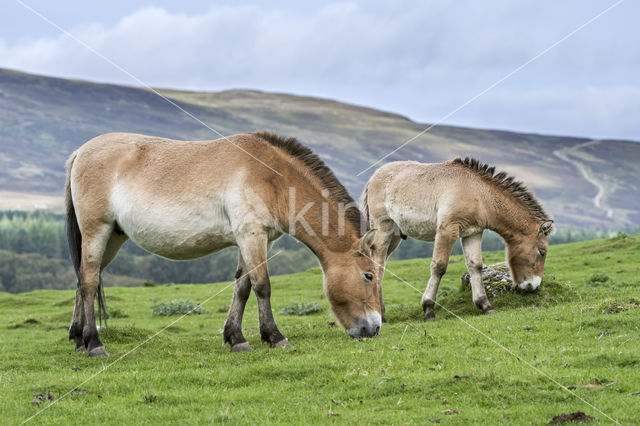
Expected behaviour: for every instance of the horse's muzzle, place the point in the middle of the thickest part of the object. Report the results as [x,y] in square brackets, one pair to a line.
[529,285]
[367,326]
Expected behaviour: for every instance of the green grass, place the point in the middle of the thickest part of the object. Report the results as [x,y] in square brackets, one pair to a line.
[585,336]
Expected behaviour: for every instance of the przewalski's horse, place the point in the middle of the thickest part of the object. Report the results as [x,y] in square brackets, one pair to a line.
[183,200]
[446,201]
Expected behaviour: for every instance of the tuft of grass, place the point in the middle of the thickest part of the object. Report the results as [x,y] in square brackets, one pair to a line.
[116,313]
[550,292]
[619,236]
[301,308]
[613,306]
[149,283]
[149,399]
[126,335]
[177,307]
[404,312]
[596,279]
[29,322]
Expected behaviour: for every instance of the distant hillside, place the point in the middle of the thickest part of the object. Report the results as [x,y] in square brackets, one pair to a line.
[42,120]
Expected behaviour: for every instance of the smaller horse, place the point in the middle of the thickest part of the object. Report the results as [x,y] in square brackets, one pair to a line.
[451,200]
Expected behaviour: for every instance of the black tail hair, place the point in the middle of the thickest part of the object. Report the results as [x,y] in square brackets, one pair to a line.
[74,238]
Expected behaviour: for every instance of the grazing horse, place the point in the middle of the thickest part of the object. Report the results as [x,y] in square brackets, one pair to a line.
[451,200]
[183,200]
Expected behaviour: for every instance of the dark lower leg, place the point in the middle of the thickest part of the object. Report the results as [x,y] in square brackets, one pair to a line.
[268,329]
[483,303]
[233,325]
[75,330]
[90,337]
[253,244]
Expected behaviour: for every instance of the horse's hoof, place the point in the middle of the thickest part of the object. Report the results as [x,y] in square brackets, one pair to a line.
[81,348]
[429,315]
[99,351]
[281,344]
[241,347]
[489,310]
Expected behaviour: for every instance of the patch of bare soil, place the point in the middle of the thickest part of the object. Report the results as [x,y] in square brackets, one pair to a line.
[577,417]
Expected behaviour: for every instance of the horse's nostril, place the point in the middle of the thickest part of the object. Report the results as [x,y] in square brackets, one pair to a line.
[364,331]
[377,330]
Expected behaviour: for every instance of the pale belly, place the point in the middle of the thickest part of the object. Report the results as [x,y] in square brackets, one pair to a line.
[424,227]
[414,223]
[172,228]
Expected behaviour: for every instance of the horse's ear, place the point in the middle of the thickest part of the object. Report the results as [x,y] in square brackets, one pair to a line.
[546,228]
[366,243]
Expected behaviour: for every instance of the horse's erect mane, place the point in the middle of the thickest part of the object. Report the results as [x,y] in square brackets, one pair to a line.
[507,183]
[319,169]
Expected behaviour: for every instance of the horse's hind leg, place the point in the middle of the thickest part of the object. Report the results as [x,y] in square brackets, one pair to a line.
[93,249]
[472,248]
[445,239]
[77,323]
[253,245]
[233,325]
[116,240]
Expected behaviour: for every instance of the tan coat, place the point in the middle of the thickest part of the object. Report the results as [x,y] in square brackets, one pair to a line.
[183,200]
[458,199]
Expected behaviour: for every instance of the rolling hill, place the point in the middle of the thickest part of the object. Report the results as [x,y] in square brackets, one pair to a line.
[582,182]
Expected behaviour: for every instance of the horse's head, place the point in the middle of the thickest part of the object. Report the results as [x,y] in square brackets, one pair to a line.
[526,257]
[353,289]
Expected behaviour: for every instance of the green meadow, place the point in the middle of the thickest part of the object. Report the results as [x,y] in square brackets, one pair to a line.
[572,346]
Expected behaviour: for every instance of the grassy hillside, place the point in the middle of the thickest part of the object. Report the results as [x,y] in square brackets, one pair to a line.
[580,329]
[43,119]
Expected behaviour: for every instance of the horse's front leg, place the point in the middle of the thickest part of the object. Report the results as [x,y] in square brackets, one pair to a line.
[233,325]
[445,239]
[253,245]
[472,248]
[386,241]
[77,323]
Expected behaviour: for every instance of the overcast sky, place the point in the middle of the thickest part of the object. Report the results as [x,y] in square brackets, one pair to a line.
[422,59]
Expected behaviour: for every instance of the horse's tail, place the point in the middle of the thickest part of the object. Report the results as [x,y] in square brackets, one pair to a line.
[364,205]
[74,238]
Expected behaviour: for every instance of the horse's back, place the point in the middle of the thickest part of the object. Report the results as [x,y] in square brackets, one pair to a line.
[177,199]
[419,197]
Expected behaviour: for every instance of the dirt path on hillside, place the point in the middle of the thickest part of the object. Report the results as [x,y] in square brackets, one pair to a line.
[597,200]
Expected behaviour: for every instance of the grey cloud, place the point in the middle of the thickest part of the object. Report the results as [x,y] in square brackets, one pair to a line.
[421,59]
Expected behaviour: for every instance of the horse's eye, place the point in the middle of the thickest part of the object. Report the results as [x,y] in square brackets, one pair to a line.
[542,252]
[368,276]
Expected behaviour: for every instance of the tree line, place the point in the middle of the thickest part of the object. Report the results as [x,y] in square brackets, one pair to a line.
[34,255]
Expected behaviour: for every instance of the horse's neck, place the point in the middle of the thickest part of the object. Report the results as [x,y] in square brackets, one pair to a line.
[328,232]
[508,218]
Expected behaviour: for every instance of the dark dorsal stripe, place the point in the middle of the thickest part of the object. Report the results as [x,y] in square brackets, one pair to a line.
[337,191]
[507,183]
